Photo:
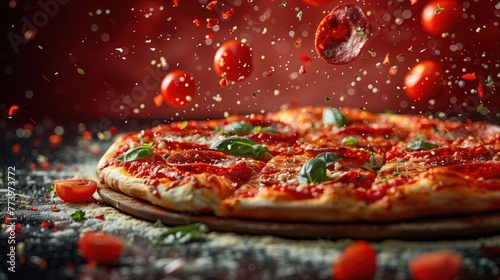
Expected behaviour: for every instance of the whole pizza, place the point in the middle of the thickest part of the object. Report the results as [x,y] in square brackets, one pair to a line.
[311,164]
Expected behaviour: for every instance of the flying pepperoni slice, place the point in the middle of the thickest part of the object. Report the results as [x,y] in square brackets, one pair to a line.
[342,34]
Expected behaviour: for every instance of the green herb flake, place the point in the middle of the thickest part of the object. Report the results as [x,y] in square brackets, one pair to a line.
[327,99]
[328,53]
[314,170]
[438,10]
[480,107]
[78,215]
[370,162]
[299,15]
[489,81]
[283,4]
[184,124]
[182,234]
[80,71]
[398,56]
[334,116]
[420,144]
[158,224]
[361,33]
[350,141]
[136,153]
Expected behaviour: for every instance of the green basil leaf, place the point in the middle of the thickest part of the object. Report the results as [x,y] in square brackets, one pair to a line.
[334,116]
[350,141]
[420,144]
[268,129]
[136,153]
[237,127]
[240,146]
[314,170]
[182,234]
[78,215]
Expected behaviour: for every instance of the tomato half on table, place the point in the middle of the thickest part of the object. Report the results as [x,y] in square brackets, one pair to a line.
[436,265]
[439,16]
[178,88]
[233,61]
[424,81]
[100,247]
[75,190]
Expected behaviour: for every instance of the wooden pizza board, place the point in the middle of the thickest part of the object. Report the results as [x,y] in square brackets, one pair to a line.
[422,229]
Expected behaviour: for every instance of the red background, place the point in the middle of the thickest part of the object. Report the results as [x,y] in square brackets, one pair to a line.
[41,75]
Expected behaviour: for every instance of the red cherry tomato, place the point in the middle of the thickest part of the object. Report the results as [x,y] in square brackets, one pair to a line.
[436,265]
[357,261]
[234,60]
[75,190]
[424,81]
[178,88]
[100,247]
[342,34]
[440,16]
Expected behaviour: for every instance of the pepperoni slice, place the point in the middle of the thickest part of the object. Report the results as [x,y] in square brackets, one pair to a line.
[342,34]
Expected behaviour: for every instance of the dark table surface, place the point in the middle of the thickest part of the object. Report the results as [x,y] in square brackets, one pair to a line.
[36,160]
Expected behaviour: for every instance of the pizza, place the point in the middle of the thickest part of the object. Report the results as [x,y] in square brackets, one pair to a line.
[311,164]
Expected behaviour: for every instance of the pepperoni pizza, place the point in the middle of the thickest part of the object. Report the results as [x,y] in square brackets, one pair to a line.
[311,164]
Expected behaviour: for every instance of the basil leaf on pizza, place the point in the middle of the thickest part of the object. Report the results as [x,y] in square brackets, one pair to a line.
[267,129]
[243,127]
[335,117]
[136,153]
[237,127]
[314,170]
[420,144]
[240,146]
[182,234]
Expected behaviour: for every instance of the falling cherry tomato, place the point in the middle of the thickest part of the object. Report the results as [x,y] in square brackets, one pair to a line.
[178,88]
[234,59]
[100,247]
[75,190]
[424,81]
[440,16]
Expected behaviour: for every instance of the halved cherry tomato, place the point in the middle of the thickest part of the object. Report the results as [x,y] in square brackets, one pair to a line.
[75,190]
[342,34]
[357,261]
[436,265]
[440,16]
[100,247]
[234,60]
[424,81]
[178,88]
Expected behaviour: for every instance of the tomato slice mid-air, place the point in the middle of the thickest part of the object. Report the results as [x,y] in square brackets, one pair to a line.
[75,190]
[100,247]
[424,81]
[178,88]
[342,34]
[233,61]
[439,16]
